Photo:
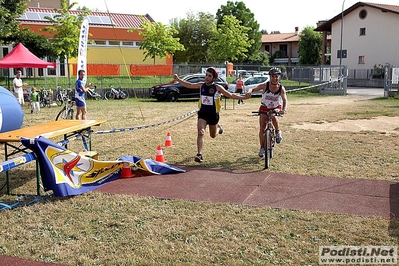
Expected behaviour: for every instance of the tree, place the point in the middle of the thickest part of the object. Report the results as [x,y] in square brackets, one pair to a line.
[66,30]
[260,57]
[158,40]
[230,41]
[194,33]
[10,10]
[310,43]
[35,42]
[247,19]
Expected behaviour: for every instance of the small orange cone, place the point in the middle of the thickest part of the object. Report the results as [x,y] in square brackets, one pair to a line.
[126,171]
[168,141]
[160,157]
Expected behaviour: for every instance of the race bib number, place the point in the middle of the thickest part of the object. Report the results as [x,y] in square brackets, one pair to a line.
[206,100]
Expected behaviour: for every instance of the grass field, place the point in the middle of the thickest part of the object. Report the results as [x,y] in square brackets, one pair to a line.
[103,229]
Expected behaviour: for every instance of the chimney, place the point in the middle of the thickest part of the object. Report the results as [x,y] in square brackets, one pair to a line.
[296,30]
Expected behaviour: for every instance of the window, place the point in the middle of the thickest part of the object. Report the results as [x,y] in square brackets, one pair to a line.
[363,14]
[361,59]
[98,42]
[284,50]
[113,43]
[127,43]
[344,54]
[362,31]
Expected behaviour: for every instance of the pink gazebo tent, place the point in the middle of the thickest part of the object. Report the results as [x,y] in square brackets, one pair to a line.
[21,57]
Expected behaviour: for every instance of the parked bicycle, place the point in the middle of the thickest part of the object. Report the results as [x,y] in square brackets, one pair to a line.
[116,94]
[62,95]
[92,94]
[45,98]
[269,134]
[67,111]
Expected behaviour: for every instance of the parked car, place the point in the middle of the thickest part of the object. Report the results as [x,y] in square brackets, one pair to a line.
[173,92]
[250,82]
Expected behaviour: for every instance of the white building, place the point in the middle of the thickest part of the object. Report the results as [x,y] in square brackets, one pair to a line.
[370,36]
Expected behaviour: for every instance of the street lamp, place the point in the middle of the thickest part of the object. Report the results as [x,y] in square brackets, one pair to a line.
[340,48]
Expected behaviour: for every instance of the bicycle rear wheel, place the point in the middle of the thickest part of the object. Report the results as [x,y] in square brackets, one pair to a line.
[123,95]
[268,147]
[59,100]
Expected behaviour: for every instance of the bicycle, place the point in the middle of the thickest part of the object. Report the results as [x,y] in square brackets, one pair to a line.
[93,94]
[67,111]
[62,95]
[116,94]
[44,96]
[269,134]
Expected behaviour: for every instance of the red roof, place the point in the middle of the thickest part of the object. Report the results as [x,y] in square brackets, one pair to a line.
[280,37]
[119,20]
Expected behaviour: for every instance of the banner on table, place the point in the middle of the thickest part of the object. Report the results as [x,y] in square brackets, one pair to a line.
[68,173]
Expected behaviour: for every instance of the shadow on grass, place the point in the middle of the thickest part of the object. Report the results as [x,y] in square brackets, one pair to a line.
[21,181]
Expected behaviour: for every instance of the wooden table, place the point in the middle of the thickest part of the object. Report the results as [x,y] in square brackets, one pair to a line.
[65,128]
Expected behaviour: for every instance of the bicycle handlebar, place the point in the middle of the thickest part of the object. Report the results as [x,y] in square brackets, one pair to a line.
[275,112]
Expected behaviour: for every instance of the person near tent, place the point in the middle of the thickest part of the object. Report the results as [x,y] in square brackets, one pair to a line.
[19,88]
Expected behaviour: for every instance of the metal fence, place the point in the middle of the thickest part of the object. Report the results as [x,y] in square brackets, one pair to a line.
[302,75]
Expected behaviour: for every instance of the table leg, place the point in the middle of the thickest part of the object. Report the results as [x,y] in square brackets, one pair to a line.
[7,178]
[37,177]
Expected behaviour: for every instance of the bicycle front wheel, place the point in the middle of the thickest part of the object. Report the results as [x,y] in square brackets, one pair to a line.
[70,114]
[268,147]
[109,95]
[60,114]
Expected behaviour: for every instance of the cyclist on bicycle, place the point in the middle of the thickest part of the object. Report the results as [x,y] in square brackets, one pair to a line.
[273,97]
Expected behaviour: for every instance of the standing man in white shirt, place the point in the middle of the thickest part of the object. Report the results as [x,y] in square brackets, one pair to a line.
[18,88]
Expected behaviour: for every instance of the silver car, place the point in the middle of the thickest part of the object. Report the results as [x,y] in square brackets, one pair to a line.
[249,83]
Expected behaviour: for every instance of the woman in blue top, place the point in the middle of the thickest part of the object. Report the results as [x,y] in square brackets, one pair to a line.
[80,100]
[209,106]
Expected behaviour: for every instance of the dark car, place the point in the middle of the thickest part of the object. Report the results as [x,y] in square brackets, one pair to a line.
[173,92]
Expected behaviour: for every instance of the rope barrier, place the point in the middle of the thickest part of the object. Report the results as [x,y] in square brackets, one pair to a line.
[147,126]
[309,87]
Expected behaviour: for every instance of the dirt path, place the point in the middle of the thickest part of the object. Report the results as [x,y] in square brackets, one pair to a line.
[383,124]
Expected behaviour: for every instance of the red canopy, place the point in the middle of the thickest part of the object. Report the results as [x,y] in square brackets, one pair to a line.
[21,57]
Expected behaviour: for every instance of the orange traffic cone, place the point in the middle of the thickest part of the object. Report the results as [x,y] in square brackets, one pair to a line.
[168,141]
[160,157]
[126,171]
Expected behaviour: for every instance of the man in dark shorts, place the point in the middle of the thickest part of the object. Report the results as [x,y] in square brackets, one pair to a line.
[209,103]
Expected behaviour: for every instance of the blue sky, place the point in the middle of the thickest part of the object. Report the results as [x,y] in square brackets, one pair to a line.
[281,16]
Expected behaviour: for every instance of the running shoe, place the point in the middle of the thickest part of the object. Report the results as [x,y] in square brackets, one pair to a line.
[262,152]
[198,158]
[220,129]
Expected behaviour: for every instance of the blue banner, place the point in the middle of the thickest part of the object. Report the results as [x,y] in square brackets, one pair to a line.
[67,173]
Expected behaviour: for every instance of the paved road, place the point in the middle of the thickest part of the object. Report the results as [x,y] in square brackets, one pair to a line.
[371,92]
